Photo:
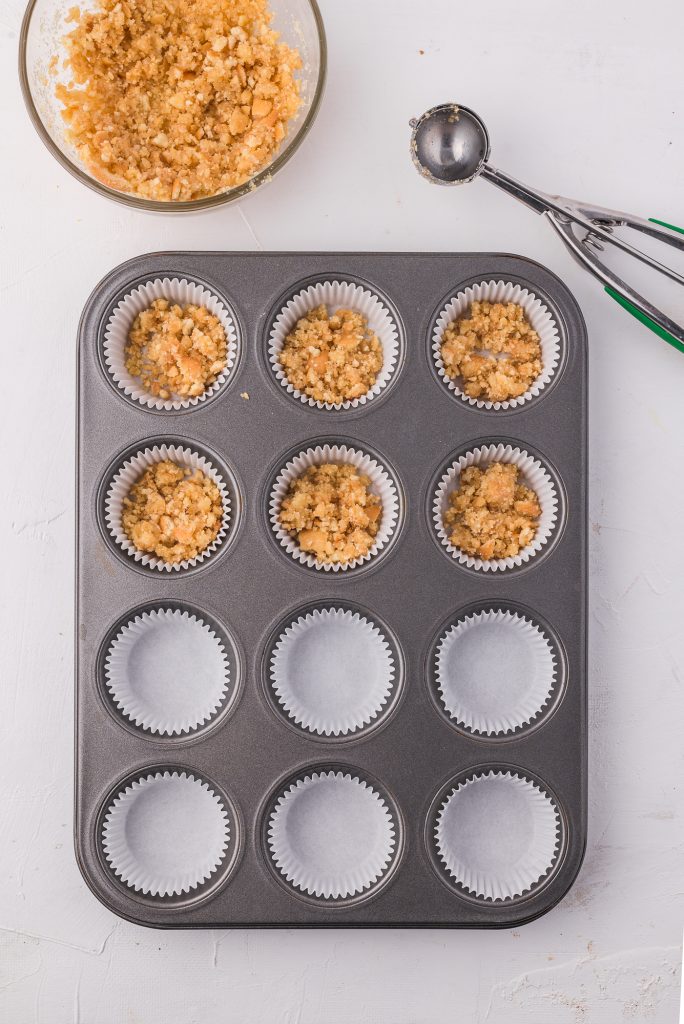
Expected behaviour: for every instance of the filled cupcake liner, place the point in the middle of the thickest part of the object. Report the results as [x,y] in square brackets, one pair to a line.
[167,672]
[381,484]
[532,475]
[130,472]
[332,671]
[183,292]
[166,833]
[497,835]
[331,835]
[539,316]
[336,295]
[495,672]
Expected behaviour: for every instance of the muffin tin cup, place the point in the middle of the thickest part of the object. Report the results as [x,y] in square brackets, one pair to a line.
[495,672]
[539,316]
[167,672]
[331,835]
[497,835]
[166,833]
[381,483]
[183,292]
[332,672]
[130,472]
[532,474]
[337,295]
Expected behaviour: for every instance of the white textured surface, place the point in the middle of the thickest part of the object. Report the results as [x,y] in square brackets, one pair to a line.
[570,92]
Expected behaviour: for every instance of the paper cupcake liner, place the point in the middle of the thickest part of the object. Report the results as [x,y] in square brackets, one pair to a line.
[167,672]
[495,672]
[130,472]
[332,671]
[184,293]
[380,483]
[538,315]
[497,835]
[165,834]
[331,835]
[336,295]
[532,475]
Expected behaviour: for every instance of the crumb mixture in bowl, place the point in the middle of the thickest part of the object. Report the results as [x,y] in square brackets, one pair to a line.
[176,351]
[173,512]
[492,515]
[332,357]
[330,511]
[179,100]
[494,350]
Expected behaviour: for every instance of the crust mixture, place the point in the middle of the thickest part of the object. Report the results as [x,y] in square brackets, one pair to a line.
[172,512]
[494,350]
[176,350]
[332,357]
[331,513]
[491,515]
[179,99]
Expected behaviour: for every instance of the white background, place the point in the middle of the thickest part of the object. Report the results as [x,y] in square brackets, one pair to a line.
[582,98]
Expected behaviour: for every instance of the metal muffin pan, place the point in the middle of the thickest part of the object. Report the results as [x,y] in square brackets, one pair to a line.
[249,751]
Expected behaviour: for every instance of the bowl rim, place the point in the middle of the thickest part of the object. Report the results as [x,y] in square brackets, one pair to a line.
[174,206]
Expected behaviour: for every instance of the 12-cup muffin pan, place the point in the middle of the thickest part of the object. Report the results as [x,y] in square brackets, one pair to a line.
[263,741]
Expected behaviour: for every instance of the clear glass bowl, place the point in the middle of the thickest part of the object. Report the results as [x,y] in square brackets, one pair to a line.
[299,23]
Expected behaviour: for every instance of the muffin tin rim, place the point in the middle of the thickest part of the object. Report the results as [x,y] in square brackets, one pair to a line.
[226,471]
[388,711]
[539,293]
[558,692]
[206,890]
[236,662]
[306,769]
[429,820]
[557,480]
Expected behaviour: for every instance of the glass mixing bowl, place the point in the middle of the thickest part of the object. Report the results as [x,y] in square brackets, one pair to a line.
[299,23]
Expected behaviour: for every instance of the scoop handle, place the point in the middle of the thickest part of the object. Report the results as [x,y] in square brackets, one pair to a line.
[643,318]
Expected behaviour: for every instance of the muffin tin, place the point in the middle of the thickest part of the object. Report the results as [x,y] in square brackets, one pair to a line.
[411,802]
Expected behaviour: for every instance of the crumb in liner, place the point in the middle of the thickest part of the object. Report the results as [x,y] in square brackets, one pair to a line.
[491,515]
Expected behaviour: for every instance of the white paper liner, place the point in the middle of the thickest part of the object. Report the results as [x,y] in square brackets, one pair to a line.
[495,672]
[183,292]
[381,484]
[538,315]
[532,474]
[331,835]
[336,295]
[332,671]
[130,472]
[165,834]
[167,671]
[497,835]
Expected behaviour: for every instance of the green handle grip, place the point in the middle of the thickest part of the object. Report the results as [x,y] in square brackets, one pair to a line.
[664,224]
[646,320]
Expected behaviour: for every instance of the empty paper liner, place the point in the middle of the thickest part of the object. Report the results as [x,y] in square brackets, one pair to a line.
[332,671]
[495,671]
[166,833]
[331,835]
[167,672]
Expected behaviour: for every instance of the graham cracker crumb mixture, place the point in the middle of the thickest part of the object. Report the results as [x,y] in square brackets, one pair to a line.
[176,350]
[491,515]
[172,512]
[177,99]
[331,512]
[332,357]
[494,350]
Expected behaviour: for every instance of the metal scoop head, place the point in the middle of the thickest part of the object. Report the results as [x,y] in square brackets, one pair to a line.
[449,144]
